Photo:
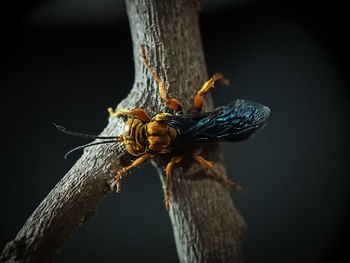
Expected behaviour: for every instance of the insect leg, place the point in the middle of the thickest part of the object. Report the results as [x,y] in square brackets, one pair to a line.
[198,100]
[209,165]
[139,113]
[123,170]
[172,103]
[168,171]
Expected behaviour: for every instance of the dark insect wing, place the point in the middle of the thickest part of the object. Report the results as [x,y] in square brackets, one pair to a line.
[235,122]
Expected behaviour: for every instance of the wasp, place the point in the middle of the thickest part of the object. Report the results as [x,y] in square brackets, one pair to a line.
[146,137]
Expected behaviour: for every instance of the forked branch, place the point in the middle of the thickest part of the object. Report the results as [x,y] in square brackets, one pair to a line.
[207,228]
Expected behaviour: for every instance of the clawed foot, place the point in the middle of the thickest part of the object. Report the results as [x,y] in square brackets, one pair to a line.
[118,179]
[233,185]
[112,113]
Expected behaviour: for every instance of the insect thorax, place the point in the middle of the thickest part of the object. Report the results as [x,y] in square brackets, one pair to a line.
[159,134]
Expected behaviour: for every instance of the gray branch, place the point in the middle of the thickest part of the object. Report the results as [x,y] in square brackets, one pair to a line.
[207,228]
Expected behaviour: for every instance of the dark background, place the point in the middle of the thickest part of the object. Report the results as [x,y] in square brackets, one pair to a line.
[67,61]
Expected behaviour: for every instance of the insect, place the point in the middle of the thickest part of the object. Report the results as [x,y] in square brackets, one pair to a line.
[165,133]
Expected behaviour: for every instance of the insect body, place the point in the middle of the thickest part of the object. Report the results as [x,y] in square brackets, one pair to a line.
[146,137]
[165,133]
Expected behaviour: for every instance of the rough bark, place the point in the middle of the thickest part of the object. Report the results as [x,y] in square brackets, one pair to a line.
[207,228]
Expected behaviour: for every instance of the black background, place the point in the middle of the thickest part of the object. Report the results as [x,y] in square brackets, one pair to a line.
[69,64]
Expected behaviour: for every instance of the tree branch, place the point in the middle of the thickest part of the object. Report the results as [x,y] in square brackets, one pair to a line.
[206,226]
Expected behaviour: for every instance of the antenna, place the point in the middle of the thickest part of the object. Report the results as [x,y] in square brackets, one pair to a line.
[87,145]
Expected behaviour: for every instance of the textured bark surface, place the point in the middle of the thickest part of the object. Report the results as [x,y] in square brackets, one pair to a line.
[207,228]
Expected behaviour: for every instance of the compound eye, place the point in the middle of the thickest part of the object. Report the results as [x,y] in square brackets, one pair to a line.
[126,130]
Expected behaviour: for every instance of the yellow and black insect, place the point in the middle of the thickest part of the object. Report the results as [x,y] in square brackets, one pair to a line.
[145,137]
